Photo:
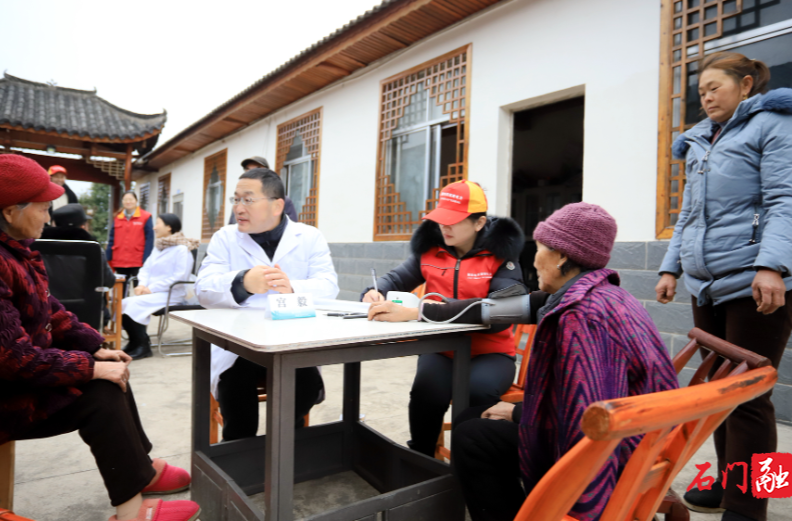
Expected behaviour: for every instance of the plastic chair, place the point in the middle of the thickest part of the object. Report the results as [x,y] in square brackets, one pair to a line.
[515,392]
[75,274]
[675,423]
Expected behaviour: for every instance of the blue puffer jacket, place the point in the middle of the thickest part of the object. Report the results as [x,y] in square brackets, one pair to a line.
[737,208]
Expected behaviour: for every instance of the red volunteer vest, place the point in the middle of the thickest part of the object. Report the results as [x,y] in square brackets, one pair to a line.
[464,279]
[129,239]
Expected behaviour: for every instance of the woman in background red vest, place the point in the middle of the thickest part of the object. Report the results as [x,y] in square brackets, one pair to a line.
[131,238]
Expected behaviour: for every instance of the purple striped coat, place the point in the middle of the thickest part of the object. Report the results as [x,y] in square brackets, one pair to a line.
[599,343]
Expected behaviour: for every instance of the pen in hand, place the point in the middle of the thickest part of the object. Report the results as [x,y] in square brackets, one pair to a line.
[374,278]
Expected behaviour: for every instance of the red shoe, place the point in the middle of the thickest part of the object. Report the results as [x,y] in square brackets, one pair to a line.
[168,480]
[159,510]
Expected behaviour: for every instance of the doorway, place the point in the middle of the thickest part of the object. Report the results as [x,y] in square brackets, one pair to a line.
[547,168]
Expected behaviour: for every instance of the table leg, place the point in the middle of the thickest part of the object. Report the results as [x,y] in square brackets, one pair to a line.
[460,394]
[279,454]
[202,360]
[352,392]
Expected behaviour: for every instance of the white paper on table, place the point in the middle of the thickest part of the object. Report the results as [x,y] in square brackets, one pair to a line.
[346,306]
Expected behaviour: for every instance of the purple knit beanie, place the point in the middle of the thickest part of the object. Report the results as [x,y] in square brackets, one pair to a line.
[584,232]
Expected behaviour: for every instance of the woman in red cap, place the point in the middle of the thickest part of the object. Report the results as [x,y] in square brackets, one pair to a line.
[54,375]
[460,253]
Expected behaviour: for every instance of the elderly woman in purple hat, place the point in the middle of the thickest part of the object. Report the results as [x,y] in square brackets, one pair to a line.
[594,342]
[55,377]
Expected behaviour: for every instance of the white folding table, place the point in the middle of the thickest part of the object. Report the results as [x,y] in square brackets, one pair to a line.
[412,486]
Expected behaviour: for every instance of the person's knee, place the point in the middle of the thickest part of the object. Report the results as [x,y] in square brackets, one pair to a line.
[466,439]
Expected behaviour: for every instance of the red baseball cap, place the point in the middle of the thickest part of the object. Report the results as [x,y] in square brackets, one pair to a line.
[56,169]
[22,180]
[457,201]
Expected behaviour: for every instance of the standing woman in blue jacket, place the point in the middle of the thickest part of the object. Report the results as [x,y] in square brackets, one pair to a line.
[732,244]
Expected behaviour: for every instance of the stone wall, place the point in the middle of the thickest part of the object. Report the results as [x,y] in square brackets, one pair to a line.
[637,263]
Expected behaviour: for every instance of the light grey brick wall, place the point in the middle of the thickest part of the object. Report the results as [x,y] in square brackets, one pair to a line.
[637,264]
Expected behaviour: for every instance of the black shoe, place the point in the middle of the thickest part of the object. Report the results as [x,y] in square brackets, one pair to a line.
[728,515]
[706,501]
[143,351]
[129,326]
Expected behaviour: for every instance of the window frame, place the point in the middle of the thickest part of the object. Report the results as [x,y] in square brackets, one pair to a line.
[309,125]
[391,109]
[217,160]
[688,51]
[163,187]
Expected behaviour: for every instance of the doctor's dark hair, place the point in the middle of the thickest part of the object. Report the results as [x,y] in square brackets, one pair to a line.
[271,183]
[172,220]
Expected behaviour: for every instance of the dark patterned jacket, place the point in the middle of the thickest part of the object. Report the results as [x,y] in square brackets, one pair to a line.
[45,352]
[598,343]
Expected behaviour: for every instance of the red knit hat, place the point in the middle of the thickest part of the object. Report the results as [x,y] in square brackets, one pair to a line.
[22,180]
[584,232]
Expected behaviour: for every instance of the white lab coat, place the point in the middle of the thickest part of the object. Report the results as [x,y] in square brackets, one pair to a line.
[302,254]
[161,269]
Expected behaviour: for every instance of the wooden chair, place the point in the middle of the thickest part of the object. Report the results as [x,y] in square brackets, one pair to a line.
[112,332]
[7,475]
[675,423]
[515,392]
[216,418]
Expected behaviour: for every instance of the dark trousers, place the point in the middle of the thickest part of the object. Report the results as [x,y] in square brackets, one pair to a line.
[108,421]
[485,461]
[238,397]
[491,375]
[751,428]
[128,273]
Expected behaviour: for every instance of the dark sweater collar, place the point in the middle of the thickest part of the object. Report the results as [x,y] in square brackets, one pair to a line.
[269,240]
[556,298]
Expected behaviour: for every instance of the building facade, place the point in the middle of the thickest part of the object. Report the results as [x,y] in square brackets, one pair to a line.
[542,102]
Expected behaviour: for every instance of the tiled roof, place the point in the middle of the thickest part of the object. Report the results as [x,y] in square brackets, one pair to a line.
[78,113]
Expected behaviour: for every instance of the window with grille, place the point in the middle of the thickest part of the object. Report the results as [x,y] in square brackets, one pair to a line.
[214,194]
[144,195]
[163,194]
[422,141]
[299,145]
[692,29]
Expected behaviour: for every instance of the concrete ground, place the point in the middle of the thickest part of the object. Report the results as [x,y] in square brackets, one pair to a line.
[57,479]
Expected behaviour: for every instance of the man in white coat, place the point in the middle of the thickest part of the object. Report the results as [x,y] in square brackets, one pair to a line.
[263,253]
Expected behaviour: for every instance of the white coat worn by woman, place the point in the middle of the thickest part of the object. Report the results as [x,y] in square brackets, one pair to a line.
[302,254]
[171,261]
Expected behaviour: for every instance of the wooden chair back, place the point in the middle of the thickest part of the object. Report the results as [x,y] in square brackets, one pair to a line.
[674,423]
[7,459]
[515,392]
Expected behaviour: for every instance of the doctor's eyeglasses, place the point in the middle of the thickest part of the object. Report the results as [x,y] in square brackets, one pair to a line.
[247,201]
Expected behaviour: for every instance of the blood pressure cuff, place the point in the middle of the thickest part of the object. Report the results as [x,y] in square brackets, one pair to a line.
[520,309]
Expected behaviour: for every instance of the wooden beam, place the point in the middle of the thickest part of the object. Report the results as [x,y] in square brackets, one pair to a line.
[128,168]
[333,69]
[78,151]
[81,137]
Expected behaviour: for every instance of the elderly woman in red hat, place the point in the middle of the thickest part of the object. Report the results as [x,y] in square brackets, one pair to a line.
[54,375]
